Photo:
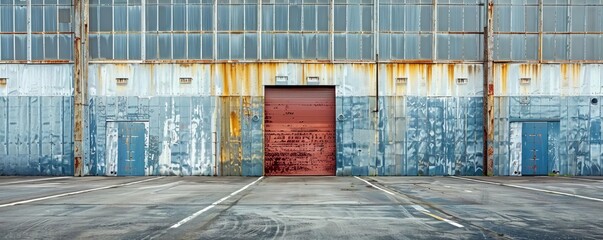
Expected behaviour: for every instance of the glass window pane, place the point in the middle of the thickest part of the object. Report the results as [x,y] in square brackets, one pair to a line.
[236,46]
[194,18]
[223,46]
[267,17]
[267,45]
[151,46]
[165,46]
[179,46]
[179,17]
[165,19]
[120,18]
[295,46]
[65,19]
[384,17]
[471,21]
[367,18]
[251,46]
[281,46]
[470,47]
[517,19]
[21,47]
[281,18]
[354,18]
[384,47]
[367,47]
[65,46]
[37,19]
[397,22]
[309,46]
[50,19]
[340,47]
[411,46]
[426,46]
[309,18]
[443,45]
[295,18]
[6,47]
[151,17]
[6,18]
[502,47]
[106,19]
[223,18]
[93,41]
[134,46]
[397,46]
[37,47]
[443,15]
[120,46]
[251,17]
[502,19]
[340,19]
[323,18]
[207,17]
[426,18]
[323,49]
[105,45]
[207,51]
[532,19]
[134,18]
[50,47]
[20,19]
[194,46]
[237,14]
[355,48]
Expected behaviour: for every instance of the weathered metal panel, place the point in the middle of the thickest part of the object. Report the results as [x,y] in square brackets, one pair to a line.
[548,79]
[300,131]
[37,80]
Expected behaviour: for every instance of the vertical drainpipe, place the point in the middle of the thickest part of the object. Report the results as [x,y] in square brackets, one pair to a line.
[488,93]
[376,111]
[79,84]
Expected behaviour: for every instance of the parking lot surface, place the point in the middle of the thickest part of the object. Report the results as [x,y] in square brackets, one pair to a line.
[301,208]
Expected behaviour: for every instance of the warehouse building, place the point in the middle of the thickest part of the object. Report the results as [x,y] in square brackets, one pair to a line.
[301,87]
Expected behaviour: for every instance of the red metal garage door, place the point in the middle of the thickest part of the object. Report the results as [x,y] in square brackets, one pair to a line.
[299,131]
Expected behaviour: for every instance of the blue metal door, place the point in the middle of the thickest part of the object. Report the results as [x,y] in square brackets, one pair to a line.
[534,153]
[130,147]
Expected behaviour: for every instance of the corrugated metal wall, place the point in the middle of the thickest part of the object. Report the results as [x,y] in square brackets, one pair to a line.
[430,118]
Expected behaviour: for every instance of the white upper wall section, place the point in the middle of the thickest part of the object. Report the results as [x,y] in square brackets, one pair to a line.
[37,80]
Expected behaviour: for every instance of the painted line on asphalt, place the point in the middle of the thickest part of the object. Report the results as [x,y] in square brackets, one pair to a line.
[531,188]
[74,193]
[34,180]
[373,185]
[417,207]
[582,179]
[194,215]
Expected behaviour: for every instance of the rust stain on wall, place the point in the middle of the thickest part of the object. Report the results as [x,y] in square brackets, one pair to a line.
[450,75]
[504,74]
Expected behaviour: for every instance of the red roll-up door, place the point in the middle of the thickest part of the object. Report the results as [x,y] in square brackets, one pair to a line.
[299,135]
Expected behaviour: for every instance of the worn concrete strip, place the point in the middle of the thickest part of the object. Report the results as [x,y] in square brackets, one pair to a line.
[34,180]
[74,193]
[530,188]
[194,215]
[417,207]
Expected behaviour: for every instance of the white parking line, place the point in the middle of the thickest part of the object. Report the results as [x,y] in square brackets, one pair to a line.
[373,185]
[417,207]
[194,215]
[34,180]
[76,192]
[531,188]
